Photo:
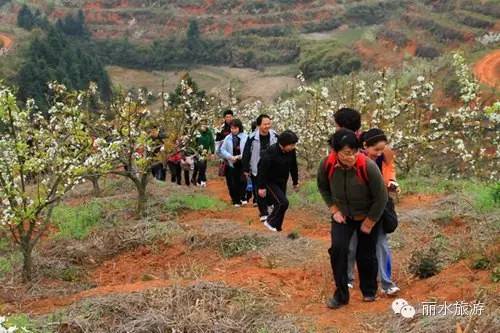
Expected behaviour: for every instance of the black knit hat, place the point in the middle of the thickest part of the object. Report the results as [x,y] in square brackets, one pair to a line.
[373,136]
[287,138]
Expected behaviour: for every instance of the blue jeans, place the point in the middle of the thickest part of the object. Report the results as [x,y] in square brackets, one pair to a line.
[383,258]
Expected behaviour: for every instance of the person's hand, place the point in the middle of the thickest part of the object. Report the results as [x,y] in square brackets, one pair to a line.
[262,192]
[367,226]
[339,217]
[394,187]
[234,158]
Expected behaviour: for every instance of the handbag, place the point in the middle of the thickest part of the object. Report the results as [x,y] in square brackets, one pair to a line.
[389,217]
[222,168]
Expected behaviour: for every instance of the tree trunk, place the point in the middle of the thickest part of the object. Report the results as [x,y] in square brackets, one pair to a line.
[27,250]
[95,185]
[141,199]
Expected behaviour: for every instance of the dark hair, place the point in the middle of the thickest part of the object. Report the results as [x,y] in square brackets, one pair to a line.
[343,138]
[237,123]
[348,118]
[260,118]
[373,136]
[253,125]
[228,111]
[287,138]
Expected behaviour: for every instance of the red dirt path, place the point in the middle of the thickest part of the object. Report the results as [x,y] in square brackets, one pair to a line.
[487,69]
[7,40]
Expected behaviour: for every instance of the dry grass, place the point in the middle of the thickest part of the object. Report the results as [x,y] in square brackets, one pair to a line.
[231,239]
[204,307]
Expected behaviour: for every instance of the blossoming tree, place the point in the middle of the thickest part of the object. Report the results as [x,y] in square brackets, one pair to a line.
[42,159]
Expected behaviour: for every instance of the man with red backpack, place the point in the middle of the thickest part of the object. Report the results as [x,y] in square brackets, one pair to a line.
[354,190]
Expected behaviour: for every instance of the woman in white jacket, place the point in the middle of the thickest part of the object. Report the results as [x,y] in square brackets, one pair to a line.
[232,150]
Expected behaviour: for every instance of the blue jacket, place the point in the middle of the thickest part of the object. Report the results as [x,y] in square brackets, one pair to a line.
[226,149]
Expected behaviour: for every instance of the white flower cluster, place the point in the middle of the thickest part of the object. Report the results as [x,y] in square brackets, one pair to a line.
[7,330]
[489,38]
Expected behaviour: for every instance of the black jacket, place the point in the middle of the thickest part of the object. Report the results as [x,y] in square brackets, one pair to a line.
[275,166]
[225,130]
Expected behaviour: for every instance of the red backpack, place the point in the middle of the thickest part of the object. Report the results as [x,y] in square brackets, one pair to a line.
[361,166]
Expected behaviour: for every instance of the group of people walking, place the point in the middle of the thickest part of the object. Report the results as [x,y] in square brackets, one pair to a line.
[262,160]
[354,180]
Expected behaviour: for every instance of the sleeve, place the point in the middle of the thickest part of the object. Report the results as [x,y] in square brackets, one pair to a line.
[224,153]
[389,165]
[263,171]
[294,169]
[211,147]
[324,185]
[247,154]
[378,191]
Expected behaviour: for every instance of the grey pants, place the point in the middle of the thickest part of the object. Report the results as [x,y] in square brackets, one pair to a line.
[383,258]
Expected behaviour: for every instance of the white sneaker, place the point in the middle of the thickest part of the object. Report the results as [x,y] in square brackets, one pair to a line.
[392,291]
[268,226]
[350,285]
[203,184]
[263,218]
[237,205]
[244,202]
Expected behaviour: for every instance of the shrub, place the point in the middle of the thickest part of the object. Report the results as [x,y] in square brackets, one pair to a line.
[397,37]
[231,247]
[441,32]
[425,263]
[330,63]
[428,52]
[475,22]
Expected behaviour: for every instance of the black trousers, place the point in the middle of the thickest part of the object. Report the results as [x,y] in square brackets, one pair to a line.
[366,258]
[262,203]
[158,171]
[236,183]
[200,171]
[277,196]
[176,172]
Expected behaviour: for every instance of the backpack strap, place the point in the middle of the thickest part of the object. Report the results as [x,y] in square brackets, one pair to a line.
[361,166]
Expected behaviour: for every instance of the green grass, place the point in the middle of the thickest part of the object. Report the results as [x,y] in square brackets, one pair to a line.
[77,222]
[193,202]
[485,197]
[307,195]
[9,261]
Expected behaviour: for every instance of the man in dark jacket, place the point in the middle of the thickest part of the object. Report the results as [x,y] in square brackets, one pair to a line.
[275,166]
[258,142]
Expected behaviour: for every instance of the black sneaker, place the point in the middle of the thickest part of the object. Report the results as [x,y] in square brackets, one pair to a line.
[369,298]
[333,304]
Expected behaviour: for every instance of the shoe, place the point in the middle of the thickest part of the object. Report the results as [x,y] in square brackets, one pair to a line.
[391,291]
[244,202]
[350,285]
[254,204]
[263,218]
[332,303]
[369,298]
[237,205]
[270,227]
[203,184]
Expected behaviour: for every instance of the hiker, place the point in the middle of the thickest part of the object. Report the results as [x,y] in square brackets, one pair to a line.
[187,164]
[275,165]
[225,130]
[231,150]
[158,169]
[353,189]
[174,165]
[374,142]
[205,146]
[348,118]
[258,142]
